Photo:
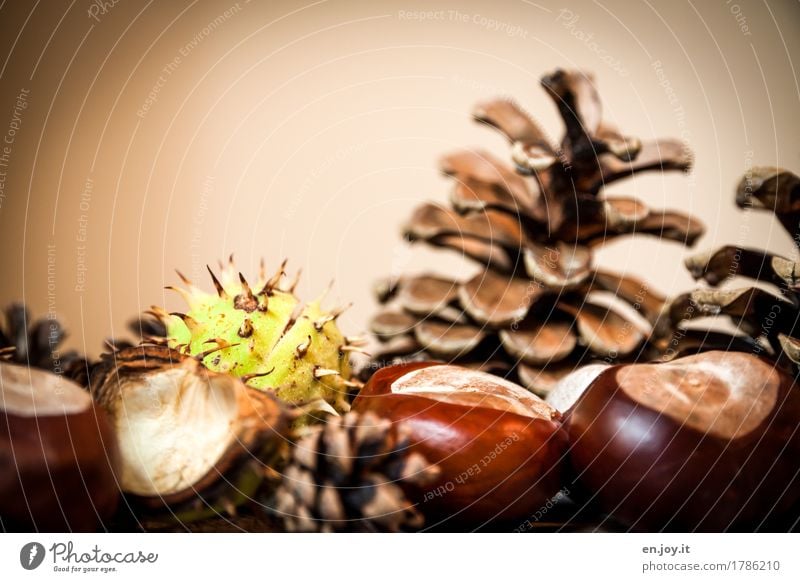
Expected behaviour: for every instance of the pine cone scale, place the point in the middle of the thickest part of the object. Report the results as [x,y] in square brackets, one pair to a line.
[491,299]
[480,166]
[540,342]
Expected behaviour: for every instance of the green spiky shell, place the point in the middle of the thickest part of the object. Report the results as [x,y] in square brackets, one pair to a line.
[263,333]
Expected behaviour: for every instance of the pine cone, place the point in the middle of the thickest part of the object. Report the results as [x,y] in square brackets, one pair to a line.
[37,343]
[533,304]
[770,322]
[349,475]
[147,329]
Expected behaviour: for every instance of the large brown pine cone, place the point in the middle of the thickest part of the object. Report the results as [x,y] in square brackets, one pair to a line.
[532,309]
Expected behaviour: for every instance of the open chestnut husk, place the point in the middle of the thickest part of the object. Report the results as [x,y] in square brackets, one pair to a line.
[708,442]
[57,454]
[499,448]
[194,443]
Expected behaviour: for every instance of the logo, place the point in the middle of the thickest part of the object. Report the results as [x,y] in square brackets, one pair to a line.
[31,555]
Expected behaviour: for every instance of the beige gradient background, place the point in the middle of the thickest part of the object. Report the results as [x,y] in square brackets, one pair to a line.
[311,130]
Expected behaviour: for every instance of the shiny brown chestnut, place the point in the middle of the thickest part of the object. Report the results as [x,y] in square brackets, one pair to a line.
[57,454]
[500,449]
[708,442]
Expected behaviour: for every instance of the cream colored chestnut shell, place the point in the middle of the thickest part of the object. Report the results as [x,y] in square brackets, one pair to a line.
[725,394]
[470,387]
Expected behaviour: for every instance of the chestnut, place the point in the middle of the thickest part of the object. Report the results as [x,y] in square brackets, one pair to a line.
[57,454]
[185,433]
[500,449]
[708,442]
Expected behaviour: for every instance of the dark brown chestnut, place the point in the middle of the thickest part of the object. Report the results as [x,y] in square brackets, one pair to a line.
[708,442]
[500,449]
[57,454]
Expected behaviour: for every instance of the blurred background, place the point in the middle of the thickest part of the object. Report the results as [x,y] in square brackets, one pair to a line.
[140,137]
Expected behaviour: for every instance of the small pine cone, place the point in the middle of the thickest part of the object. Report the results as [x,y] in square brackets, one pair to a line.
[36,343]
[146,330]
[347,475]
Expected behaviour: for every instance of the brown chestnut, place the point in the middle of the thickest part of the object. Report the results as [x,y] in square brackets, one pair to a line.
[499,448]
[57,454]
[708,442]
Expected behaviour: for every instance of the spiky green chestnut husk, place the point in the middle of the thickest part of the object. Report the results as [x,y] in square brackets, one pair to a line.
[264,334]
